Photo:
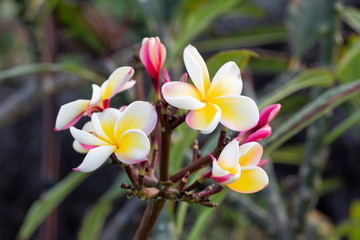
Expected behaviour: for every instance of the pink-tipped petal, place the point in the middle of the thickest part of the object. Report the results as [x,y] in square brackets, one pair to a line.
[204,120]
[95,158]
[252,179]
[250,154]
[134,147]
[262,163]
[259,134]
[223,176]
[148,59]
[76,170]
[138,115]
[227,81]
[197,69]
[268,114]
[182,95]
[238,113]
[70,113]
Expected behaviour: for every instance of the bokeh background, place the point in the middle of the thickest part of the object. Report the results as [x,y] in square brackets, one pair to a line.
[51,51]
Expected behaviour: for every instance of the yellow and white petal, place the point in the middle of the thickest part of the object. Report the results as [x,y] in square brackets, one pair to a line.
[79,148]
[197,69]
[182,95]
[222,176]
[127,85]
[229,157]
[96,95]
[86,137]
[227,81]
[95,158]
[204,120]
[116,80]
[104,124]
[138,115]
[250,154]
[134,147]
[70,113]
[252,179]
[239,113]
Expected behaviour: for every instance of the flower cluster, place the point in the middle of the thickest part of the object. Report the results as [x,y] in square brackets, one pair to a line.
[125,133]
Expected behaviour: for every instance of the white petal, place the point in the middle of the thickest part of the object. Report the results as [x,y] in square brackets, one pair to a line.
[204,120]
[86,138]
[138,115]
[229,157]
[70,113]
[182,95]
[117,79]
[227,81]
[197,69]
[95,158]
[250,154]
[96,95]
[77,147]
[239,113]
[104,123]
[134,147]
[127,85]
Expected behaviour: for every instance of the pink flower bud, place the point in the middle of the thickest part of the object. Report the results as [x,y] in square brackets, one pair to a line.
[165,76]
[184,78]
[259,134]
[152,55]
[268,114]
[262,163]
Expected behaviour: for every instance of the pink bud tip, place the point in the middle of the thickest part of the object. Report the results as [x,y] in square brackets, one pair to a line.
[238,138]
[122,108]
[76,169]
[212,157]
[268,114]
[184,78]
[262,163]
[259,134]
[165,76]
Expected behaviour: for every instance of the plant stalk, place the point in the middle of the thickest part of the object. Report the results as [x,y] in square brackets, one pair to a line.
[149,218]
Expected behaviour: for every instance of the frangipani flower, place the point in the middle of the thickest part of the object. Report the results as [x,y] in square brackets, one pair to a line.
[212,102]
[239,167]
[152,55]
[112,131]
[118,81]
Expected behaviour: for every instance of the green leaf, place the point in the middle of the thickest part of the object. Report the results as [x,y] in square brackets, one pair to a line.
[351,16]
[291,155]
[310,78]
[94,220]
[330,185]
[269,63]
[246,38]
[315,109]
[49,67]
[342,127]
[348,67]
[205,215]
[197,21]
[240,57]
[355,214]
[47,202]
[307,21]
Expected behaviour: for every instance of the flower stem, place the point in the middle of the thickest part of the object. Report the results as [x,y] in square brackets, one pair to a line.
[149,218]
[165,155]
